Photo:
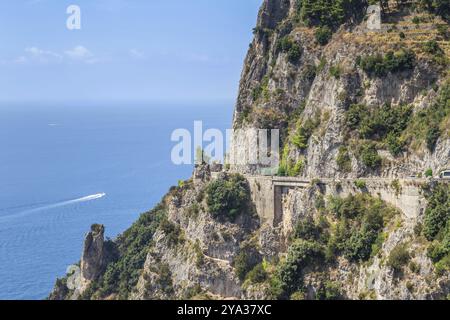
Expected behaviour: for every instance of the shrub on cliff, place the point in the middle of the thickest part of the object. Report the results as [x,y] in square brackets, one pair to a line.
[428,124]
[438,7]
[228,197]
[432,47]
[306,229]
[360,184]
[385,124]
[287,279]
[304,131]
[329,13]
[257,274]
[436,227]
[243,264]
[385,120]
[439,251]
[343,160]
[359,246]
[369,156]
[437,213]
[329,291]
[121,276]
[355,115]
[291,48]
[247,259]
[323,35]
[172,232]
[379,65]
[399,257]
[361,219]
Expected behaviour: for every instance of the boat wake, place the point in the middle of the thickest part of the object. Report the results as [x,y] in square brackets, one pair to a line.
[54,205]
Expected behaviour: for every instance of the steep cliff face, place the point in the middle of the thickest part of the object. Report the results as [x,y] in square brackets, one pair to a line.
[363,115]
[309,90]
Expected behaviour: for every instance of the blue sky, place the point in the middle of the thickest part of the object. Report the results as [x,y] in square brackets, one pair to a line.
[143,50]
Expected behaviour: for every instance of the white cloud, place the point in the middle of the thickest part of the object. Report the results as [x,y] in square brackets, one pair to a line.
[81,53]
[136,54]
[35,55]
[20,60]
[38,55]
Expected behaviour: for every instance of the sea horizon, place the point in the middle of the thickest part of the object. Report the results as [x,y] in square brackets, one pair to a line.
[64,168]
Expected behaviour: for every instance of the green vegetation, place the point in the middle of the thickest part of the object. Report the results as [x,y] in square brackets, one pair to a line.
[164,280]
[384,124]
[437,213]
[378,244]
[242,264]
[418,20]
[355,115]
[414,267]
[288,167]
[262,90]
[322,64]
[438,7]
[172,232]
[294,170]
[335,71]
[246,261]
[292,49]
[343,160]
[304,132]
[360,184]
[122,275]
[429,123]
[399,257]
[429,173]
[361,219]
[394,143]
[257,274]
[307,229]
[369,156]
[379,66]
[432,47]
[329,13]
[438,54]
[199,256]
[329,291]
[356,233]
[227,198]
[287,278]
[396,186]
[377,124]
[323,35]
[443,31]
[436,227]
[432,137]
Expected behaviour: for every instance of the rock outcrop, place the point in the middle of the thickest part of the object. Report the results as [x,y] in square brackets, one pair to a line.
[93,259]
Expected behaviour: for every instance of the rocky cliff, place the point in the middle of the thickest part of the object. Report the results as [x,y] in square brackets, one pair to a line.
[356,209]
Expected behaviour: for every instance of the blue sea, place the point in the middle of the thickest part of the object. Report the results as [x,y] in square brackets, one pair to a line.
[64,167]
